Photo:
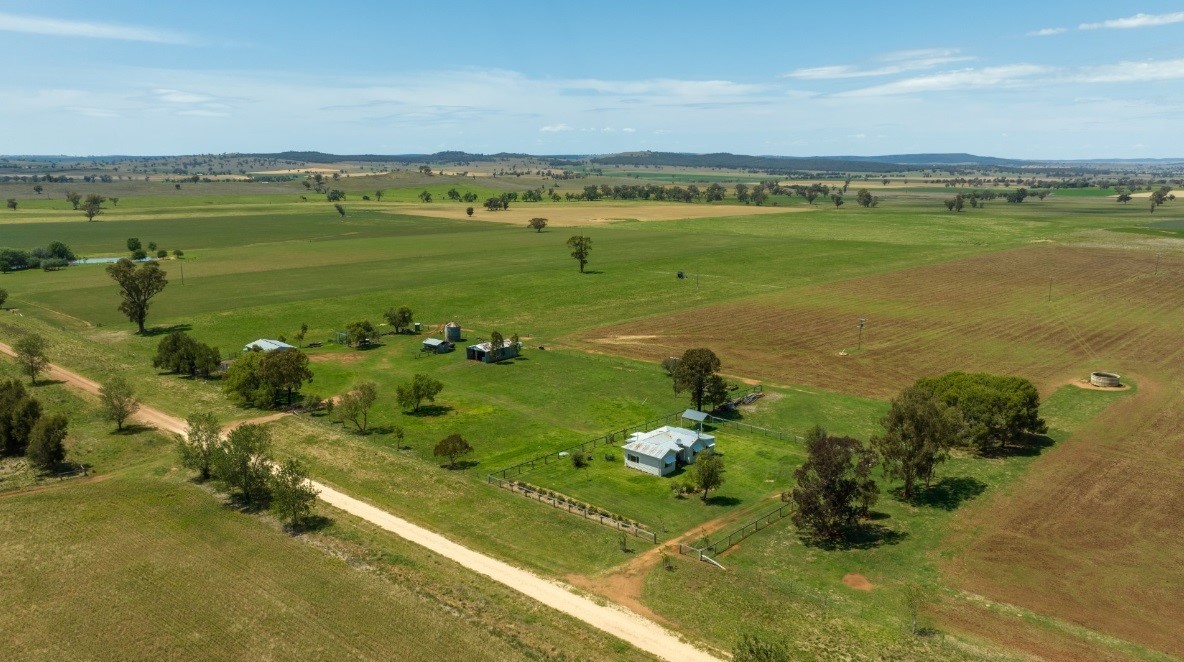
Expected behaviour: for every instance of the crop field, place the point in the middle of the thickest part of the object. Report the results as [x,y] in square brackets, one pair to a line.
[1055,544]
[1109,310]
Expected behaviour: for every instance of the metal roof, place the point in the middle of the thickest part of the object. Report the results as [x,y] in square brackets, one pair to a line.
[266,345]
[695,415]
[435,342]
[649,449]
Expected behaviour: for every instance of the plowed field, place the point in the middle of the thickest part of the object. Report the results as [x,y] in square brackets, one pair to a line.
[1108,310]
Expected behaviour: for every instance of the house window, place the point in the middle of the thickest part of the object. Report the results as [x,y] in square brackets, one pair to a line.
[633,458]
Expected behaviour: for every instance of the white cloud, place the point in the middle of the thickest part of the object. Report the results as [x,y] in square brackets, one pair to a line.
[893,63]
[1047,32]
[1133,72]
[60,28]
[962,79]
[628,130]
[1136,21]
[555,128]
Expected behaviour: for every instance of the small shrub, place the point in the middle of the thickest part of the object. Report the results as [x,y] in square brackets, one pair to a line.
[579,460]
[610,457]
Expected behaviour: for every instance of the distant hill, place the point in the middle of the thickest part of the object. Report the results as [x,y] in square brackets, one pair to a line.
[745,162]
[438,157]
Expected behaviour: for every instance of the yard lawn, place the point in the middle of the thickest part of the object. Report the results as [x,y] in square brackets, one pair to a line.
[756,468]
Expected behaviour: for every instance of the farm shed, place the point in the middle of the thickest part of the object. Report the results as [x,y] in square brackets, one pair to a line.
[695,416]
[649,451]
[265,345]
[452,332]
[485,352]
[437,346]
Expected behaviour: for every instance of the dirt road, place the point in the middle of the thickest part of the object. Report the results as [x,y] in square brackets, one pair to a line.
[619,622]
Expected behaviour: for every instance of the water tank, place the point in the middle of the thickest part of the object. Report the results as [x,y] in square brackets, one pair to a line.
[418,327]
[452,332]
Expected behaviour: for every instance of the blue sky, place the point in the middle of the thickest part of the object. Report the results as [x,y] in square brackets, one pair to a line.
[1024,80]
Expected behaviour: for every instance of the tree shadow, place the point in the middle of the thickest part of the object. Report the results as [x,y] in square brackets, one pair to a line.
[309,524]
[430,410]
[719,500]
[132,429]
[593,272]
[245,504]
[1032,445]
[42,383]
[860,536]
[162,330]
[461,465]
[948,493]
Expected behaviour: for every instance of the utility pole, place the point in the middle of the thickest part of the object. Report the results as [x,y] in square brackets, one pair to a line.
[862,321]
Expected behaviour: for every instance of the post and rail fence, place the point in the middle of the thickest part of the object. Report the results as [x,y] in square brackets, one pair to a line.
[587,511]
[728,541]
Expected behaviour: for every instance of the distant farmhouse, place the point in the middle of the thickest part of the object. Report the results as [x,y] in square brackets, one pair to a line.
[265,345]
[661,451]
[486,353]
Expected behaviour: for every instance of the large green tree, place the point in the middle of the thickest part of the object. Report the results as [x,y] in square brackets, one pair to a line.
[244,382]
[285,370]
[834,486]
[919,430]
[200,443]
[400,318]
[581,247]
[708,472]
[292,496]
[137,286]
[118,401]
[30,355]
[19,412]
[998,410]
[178,352]
[421,387]
[243,463]
[355,405]
[47,442]
[696,372]
[452,447]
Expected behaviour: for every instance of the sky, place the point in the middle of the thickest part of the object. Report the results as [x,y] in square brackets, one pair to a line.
[1042,80]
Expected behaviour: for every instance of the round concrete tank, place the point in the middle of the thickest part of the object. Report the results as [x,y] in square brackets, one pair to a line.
[452,332]
[1104,379]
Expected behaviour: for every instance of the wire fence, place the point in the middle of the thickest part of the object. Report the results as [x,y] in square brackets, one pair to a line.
[719,546]
[587,511]
[716,421]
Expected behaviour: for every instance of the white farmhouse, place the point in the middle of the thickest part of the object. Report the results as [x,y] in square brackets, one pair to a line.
[661,451]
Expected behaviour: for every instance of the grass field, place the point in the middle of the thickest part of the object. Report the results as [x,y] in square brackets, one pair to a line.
[1016,550]
[135,561]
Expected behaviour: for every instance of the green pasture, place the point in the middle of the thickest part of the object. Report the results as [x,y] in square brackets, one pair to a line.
[136,561]
[757,467]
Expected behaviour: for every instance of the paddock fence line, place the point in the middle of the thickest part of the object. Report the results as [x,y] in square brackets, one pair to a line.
[747,427]
[719,546]
[560,502]
[610,439]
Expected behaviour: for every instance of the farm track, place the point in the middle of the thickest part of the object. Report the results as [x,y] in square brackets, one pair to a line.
[615,620]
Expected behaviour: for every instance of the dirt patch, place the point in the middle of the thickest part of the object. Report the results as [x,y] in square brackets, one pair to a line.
[60,484]
[345,358]
[1084,383]
[857,581]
